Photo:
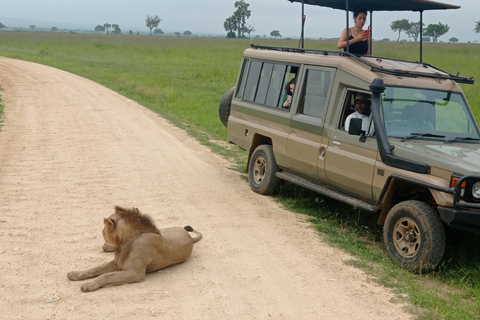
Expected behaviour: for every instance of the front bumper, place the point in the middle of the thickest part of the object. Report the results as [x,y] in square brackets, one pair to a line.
[461,219]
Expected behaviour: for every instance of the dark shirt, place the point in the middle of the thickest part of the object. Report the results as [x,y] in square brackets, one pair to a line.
[360,47]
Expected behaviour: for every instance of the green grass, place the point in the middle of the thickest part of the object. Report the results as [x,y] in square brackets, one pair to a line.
[183,80]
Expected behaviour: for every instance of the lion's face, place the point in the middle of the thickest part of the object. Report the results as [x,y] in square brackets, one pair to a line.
[110,233]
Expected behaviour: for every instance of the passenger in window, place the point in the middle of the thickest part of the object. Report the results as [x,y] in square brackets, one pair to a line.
[362,111]
[419,121]
[358,39]
[289,88]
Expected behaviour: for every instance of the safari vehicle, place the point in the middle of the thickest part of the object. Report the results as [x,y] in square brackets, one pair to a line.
[419,181]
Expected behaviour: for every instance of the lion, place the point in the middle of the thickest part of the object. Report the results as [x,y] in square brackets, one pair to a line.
[140,248]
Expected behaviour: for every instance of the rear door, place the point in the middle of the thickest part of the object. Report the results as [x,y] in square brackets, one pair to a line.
[306,143]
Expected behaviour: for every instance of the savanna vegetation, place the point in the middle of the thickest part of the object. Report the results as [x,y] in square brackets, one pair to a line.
[183,80]
[238,21]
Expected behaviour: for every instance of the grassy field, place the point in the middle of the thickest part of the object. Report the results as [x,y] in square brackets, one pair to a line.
[184,78]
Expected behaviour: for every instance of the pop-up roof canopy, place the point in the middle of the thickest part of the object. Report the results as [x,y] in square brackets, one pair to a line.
[379,5]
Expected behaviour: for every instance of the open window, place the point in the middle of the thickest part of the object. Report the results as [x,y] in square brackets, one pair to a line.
[349,110]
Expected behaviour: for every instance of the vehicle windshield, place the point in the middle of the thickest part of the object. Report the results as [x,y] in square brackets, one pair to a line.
[413,113]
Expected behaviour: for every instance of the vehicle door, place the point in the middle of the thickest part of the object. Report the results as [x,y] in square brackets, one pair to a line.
[306,143]
[350,159]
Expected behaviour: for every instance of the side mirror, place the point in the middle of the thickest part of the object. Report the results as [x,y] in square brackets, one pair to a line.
[355,127]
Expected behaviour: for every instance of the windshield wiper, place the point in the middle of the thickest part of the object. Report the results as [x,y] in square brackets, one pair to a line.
[417,135]
[461,139]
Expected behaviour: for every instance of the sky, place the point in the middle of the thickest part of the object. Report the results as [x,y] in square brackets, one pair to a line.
[207,17]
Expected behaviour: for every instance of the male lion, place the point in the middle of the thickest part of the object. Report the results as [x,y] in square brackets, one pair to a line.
[139,248]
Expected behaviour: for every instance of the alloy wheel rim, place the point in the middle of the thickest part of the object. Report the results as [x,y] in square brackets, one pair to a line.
[259,170]
[407,237]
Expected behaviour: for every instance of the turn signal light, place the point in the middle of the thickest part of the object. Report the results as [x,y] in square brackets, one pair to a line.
[454,181]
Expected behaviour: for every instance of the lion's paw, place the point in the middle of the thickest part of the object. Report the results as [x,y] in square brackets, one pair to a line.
[88,287]
[74,276]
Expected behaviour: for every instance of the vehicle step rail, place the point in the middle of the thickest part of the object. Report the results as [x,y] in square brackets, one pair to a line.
[331,193]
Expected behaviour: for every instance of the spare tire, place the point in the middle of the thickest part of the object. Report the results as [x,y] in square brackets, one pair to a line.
[224,108]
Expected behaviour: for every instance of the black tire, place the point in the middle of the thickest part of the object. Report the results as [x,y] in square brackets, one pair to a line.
[414,236]
[262,170]
[224,108]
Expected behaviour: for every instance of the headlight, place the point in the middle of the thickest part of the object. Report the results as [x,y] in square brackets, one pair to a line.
[476,190]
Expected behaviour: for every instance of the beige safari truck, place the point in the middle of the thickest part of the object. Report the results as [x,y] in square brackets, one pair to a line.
[414,161]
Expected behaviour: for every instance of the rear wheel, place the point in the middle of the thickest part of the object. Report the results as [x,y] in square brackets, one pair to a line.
[414,236]
[262,170]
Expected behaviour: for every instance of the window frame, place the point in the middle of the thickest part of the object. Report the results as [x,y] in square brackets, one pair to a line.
[252,79]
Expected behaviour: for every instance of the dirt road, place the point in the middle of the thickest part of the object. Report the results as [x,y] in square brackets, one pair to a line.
[70,150]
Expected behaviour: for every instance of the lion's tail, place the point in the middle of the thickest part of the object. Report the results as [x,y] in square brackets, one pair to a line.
[199,235]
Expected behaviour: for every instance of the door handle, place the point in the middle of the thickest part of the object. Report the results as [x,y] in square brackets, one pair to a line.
[336,143]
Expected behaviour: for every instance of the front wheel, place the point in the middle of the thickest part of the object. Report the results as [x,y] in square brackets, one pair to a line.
[414,236]
[262,170]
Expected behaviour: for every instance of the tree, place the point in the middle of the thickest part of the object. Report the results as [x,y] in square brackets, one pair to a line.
[230,26]
[32,27]
[178,33]
[187,33]
[152,22]
[414,30]
[241,14]
[249,30]
[107,26]
[2,26]
[453,39]
[116,29]
[477,27]
[400,25]
[54,29]
[436,30]
[100,28]
[275,33]
[157,31]
[237,22]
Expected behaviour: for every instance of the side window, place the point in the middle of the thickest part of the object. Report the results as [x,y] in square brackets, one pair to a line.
[265,82]
[289,78]
[315,92]
[252,80]
[348,108]
[276,84]
[357,105]
[242,78]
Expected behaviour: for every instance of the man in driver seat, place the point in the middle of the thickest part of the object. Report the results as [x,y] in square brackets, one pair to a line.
[362,111]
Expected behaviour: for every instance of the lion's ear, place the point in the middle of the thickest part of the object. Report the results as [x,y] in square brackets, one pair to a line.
[109,223]
[119,209]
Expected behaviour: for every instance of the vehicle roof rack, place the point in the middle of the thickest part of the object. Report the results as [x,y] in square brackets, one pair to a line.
[373,67]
